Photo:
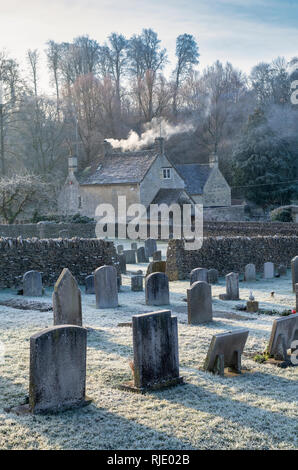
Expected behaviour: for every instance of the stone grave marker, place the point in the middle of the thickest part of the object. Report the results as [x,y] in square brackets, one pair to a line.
[119,282]
[157,289]
[67,304]
[106,288]
[282,270]
[32,284]
[156,256]
[268,270]
[294,268]
[120,249]
[232,287]
[250,272]
[134,246]
[156,267]
[89,284]
[199,274]
[212,276]
[296,292]
[141,256]
[130,256]
[150,247]
[284,332]
[199,303]
[225,351]
[122,263]
[57,369]
[137,283]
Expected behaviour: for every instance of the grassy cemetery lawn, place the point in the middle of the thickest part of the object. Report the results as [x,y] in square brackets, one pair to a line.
[256,410]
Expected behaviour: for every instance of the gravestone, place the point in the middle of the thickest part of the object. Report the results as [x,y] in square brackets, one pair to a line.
[134,246]
[156,256]
[212,276]
[282,270]
[296,292]
[150,247]
[157,289]
[284,332]
[250,273]
[225,351]
[199,303]
[32,284]
[232,286]
[120,249]
[130,256]
[57,369]
[141,256]
[294,268]
[155,347]
[89,284]
[268,270]
[119,282]
[198,274]
[122,263]
[137,283]
[106,288]
[156,267]
[67,304]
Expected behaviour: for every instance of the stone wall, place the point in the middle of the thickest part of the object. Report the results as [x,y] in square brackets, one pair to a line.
[229,254]
[212,229]
[48,230]
[50,256]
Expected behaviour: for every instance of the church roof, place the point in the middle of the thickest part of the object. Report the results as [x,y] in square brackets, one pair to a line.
[119,168]
[195,176]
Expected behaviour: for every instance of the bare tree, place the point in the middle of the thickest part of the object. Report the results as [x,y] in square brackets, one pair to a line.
[33,59]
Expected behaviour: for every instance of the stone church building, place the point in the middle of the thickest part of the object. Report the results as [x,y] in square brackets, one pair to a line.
[144,177]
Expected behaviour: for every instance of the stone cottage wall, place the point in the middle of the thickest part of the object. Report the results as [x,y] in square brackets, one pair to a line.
[50,256]
[230,254]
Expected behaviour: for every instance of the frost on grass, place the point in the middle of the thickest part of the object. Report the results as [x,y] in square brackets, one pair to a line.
[257,410]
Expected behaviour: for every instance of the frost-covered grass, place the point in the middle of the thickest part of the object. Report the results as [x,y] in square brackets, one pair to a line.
[257,410]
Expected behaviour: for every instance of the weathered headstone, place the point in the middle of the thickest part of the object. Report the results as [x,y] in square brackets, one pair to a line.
[89,284]
[156,256]
[106,288]
[67,303]
[32,284]
[268,270]
[119,282]
[212,276]
[134,246]
[157,289]
[141,256]
[122,263]
[198,274]
[250,273]
[155,346]
[296,292]
[57,369]
[150,247]
[225,351]
[156,267]
[282,270]
[232,287]
[199,303]
[137,283]
[130,256]
[120,249]
[284,332]
[294,268]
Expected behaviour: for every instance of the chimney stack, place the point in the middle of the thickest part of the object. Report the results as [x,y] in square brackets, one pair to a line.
[160,145]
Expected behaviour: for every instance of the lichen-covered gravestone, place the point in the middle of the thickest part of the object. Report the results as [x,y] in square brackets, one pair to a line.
[137,283]
[284,332]
[157,289]
[294,268]
[141,256]
[32,284]
[199,303]
[232,287]
[268,270]
[57,369]
[225,351]
[106,289]
[199,274]
[212,276]
[155,347]
[89,284]
[130,256]
[67,303]
[150,247]
[250,273]
[156,267]
[156,256]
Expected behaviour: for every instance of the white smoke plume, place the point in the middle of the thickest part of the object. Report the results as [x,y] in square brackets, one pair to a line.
[153,129]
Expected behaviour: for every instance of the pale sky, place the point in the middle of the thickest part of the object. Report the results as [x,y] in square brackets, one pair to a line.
[243,32]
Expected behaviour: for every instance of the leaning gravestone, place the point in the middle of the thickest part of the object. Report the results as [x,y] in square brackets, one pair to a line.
[212,276]
[157,289]
[57,369]
[156,256]
[284,332]
[155,347]
[122,263]
[150,247]
[32,284]
[250,273]
[137,283]
[199,303]
[130,256]
[106,289]
[225,351]
[198,274]
[141,256]
[294,268]
[67,304]
[268,270]
[89,284]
